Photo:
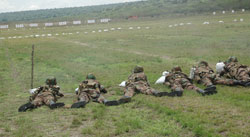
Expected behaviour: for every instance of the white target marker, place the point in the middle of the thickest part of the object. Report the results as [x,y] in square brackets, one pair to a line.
[206,23]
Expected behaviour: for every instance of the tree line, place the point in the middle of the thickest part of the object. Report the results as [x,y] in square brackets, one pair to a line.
[149,8]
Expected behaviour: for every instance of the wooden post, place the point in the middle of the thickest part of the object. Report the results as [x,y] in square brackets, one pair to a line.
[32,66]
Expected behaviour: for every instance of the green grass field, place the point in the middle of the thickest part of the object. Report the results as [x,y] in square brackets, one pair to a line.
[111,56]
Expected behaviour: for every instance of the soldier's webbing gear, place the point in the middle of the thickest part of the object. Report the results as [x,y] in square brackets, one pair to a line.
[55,90]
[235,70]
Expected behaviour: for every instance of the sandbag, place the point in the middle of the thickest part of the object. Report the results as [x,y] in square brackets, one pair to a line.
[123,84]
[32,91]
[220,67]
[76,90]
[161,80]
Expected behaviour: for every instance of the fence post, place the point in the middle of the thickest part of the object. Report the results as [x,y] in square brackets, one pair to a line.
[32,66]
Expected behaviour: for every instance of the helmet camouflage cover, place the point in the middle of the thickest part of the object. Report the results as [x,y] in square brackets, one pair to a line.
[232,59]
[176,69]
[91,76]
[138,69]
[51,81]
[203,63]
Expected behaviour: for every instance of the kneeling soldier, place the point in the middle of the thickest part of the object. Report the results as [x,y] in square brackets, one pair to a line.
[44,95]
[178,81]
[90,90]
[138,83]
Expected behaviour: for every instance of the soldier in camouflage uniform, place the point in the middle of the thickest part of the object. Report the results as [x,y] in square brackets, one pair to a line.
[44,95]
[138,83]
[178,81]
[205,75]
[90,90]
[234,70]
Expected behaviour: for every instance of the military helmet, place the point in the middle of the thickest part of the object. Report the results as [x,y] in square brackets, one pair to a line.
[91,76]
[51,81]
[232,59]
[176,69]
[138,69]
[203,63]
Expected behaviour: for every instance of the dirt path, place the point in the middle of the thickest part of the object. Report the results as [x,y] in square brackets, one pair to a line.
[115,49]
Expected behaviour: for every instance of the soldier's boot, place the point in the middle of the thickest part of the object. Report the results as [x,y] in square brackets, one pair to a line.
[25,107]
[80,104]
[177,92]
[202,92]
[245,84]
[160,94]
[56,105]
[111,103]
[124,99]
[211,89]
[237,82]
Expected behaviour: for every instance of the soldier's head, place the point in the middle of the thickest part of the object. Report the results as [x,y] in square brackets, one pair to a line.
[138,69]
[232,59]
[91,76]
[203,63]
[51,81]
[176,69]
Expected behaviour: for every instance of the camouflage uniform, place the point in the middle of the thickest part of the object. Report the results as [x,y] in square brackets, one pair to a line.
[138,83]
[237,71]
[90,89]
[205,75]
[45,95]
[179,81]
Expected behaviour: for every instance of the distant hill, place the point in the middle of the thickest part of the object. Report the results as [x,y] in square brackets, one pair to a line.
[150,8]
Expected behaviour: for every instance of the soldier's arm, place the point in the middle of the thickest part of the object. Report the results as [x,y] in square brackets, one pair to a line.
[102,89]
[146,78]
[57,91]
[248,70]
[36,92]
[197,78]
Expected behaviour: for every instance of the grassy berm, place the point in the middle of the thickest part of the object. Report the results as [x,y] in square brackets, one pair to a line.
[111,56]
